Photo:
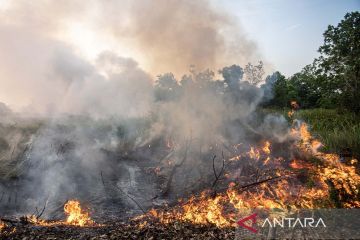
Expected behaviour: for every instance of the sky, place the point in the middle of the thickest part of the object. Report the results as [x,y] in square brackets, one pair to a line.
[289,32]
[49,47]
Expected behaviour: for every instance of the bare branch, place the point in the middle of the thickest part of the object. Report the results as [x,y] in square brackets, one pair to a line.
[131,198]
[217,176]
[213,164]
[173,171]
[122,191]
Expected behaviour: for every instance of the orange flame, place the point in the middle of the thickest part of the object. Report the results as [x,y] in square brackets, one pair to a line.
[76,215]
[266,148]
[2,225]
[291,113]
[236,158]
[286,193]
[254,153]
[294,106]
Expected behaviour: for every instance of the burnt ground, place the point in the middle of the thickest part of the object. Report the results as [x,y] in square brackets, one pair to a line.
[119,230]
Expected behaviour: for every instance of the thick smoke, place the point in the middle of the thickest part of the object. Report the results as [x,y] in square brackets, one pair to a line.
[164,36]
[92,129]
[174,34]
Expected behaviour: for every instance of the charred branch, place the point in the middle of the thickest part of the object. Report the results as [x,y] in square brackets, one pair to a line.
[123,192]
[174,169]
[218,175]
[131,198]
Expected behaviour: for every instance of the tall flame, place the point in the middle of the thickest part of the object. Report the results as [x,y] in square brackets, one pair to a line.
[76,215]
[266,148]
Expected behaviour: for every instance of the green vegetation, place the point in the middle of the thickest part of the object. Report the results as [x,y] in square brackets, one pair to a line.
[328,90]
[337,130]
[333,79]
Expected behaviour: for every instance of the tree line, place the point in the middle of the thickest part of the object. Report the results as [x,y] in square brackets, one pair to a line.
[331,81]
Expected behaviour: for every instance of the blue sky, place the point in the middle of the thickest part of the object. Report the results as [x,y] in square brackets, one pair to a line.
[288,32]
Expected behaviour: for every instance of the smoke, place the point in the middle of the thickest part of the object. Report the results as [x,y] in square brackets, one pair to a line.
[175,34]
[161,36]
[98,124]
[52,79]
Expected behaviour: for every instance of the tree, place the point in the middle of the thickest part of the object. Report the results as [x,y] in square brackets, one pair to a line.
[232,76]
[254,73]
[280,91]
[304,87]
[166,87]
[339,63]
[268,87]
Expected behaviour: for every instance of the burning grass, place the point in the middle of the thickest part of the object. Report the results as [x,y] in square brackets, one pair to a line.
[336,130]
[75,215]
[329,182]
[309,179]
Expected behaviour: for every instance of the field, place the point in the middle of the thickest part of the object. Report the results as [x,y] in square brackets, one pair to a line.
[337,130]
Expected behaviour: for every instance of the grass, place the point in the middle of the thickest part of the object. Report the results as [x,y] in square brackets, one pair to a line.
[337,130]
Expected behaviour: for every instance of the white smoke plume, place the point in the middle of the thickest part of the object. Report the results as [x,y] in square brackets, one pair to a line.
[37,57]
[85,125]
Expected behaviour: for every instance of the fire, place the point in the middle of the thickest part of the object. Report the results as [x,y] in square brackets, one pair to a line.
[286,193]
[236,158]
[315,144]
[340,176]
[223,209]
[266,161]
[266,148]
[296,164]
[2,225]
[254,153]
[76,215]
[294,106]
[304,133]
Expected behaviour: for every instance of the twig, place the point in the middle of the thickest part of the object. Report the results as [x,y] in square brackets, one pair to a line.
[102,179]
[217,176]
[213,165]
[258,183]
[173,171]
[127,195]
[42,211]
[133,199]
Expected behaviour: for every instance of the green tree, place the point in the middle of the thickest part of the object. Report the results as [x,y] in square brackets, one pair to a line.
[304,87]
[339,63]
[280,91]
